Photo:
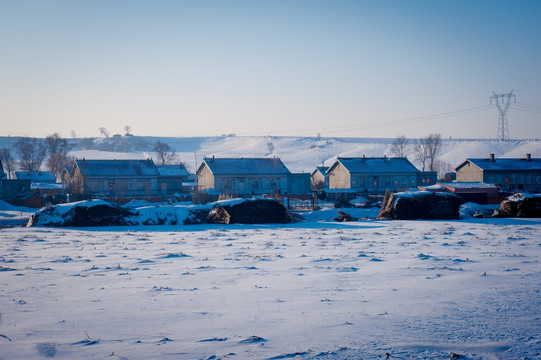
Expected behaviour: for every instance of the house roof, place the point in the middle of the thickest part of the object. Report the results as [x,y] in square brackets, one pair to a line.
[322,170]
[376,165]
[173,170]
[117,167]
[468,185]
[505,164]
[246,166]
[36,176]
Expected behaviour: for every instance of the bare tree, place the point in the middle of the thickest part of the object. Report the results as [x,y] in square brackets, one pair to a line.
[104,132]
[57,148]
[73,181]
[442,168]
[7,162]
[400,146]
[128,129]
[420,154]
[164,153]
[427,151]
[32,152]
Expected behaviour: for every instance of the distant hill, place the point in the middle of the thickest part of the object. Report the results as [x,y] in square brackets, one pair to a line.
[300,154]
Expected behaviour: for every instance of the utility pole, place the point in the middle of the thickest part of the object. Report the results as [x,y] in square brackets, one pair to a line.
[503,128]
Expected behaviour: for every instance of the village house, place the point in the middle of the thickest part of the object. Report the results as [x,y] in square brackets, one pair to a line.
[509,174]
[41,182]
[243,176]
[319,178]
[298,184]
[476,192]
[376,175]
[37,177]
[172,178]
[115,178]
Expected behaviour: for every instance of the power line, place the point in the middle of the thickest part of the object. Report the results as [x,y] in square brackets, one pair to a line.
[535,107]
[379,124]
[527,108]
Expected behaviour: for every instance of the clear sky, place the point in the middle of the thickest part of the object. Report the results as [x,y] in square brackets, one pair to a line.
[202,68]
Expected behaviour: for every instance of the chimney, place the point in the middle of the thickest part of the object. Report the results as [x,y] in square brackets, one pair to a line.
[528,157]
[492,157]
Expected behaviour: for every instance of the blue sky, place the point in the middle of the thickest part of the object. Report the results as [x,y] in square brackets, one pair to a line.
[204,68]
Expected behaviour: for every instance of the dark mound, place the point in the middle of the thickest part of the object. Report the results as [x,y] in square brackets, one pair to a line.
[83,214]
[258,211]
[419,206]
[522,206]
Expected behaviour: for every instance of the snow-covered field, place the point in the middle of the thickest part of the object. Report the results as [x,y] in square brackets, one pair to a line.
[309,290]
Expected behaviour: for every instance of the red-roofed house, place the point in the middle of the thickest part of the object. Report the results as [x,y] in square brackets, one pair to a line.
[476,192]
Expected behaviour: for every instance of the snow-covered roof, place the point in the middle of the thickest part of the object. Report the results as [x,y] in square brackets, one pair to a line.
[506,164]
[173,170]
[36,176]
[246,166]
[322,170]
[468,185]
[376,165]
[46,186]
[432,187]
[117,167]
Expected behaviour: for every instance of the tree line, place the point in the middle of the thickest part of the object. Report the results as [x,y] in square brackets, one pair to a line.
[34,153]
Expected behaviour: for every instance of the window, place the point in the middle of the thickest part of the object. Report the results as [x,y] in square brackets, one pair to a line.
[274,183]
[254,184]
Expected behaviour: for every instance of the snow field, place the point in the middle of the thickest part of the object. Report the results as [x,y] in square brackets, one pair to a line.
[310,290]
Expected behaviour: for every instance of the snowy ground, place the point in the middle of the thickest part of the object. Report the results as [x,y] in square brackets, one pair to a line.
[11,215]
[310,290]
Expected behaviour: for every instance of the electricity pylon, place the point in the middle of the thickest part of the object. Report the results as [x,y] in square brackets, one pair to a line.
[503,128]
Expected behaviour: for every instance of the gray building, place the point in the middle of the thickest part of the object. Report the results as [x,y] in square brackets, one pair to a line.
[376,175]
[509,174]
[319,178]
[243,176]
[115,178]
[171,178]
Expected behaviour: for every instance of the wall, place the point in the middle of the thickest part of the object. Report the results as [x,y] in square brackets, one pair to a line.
[469,172]
[339,178]
[317,181]
[205,178]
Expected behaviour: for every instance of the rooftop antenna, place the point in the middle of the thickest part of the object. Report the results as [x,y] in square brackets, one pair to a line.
[502,102]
